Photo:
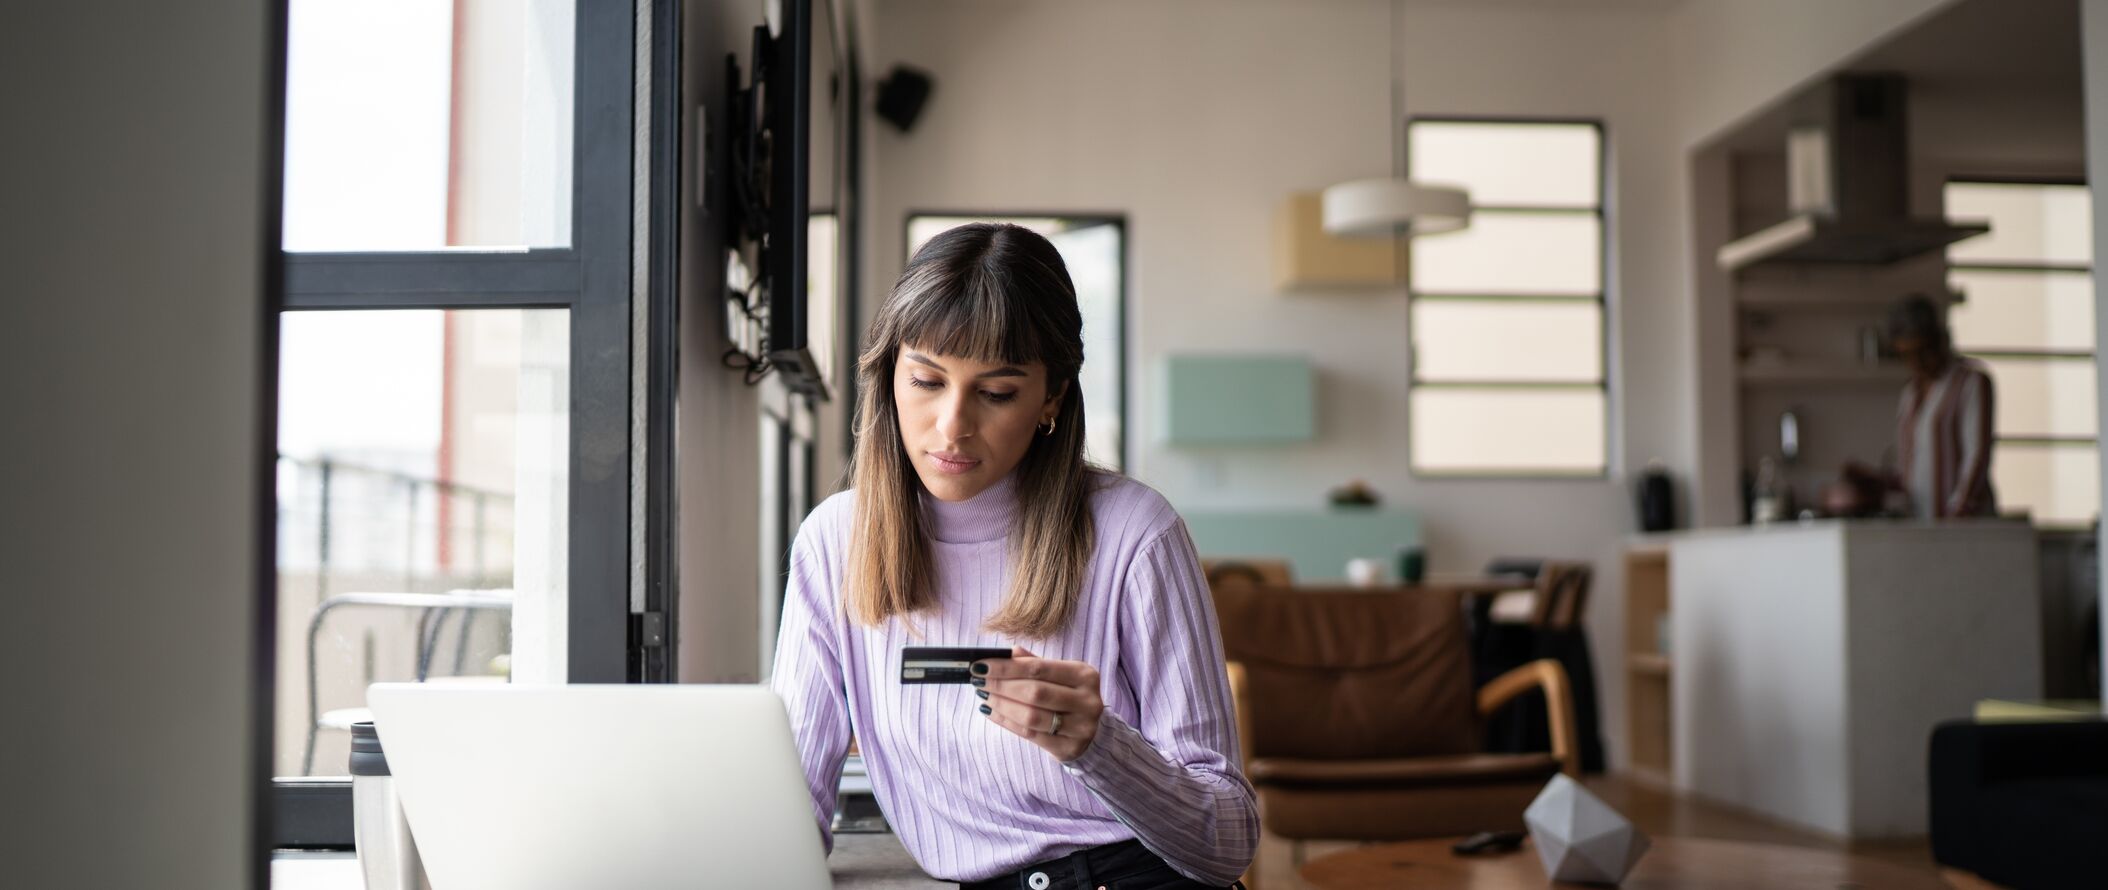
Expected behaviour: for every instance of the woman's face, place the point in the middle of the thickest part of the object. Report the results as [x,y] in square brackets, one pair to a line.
[967,424]
[1916,354]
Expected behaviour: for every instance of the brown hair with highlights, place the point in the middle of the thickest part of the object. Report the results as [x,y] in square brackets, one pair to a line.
[998,294]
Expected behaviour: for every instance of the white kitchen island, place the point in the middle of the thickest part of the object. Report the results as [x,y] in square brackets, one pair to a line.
[1812,660]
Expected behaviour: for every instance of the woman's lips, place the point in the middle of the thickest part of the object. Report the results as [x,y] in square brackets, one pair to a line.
[954,463]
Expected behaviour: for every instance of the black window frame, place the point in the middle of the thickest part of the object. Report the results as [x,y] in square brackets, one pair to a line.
[1602,299]
[618,627]
[1125,308]
[2043,357]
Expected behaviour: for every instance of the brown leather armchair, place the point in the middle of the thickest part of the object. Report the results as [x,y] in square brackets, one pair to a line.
[1225,572]
[1358,720]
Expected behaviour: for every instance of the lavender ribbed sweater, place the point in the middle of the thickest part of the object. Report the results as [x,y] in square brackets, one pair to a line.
[969,799]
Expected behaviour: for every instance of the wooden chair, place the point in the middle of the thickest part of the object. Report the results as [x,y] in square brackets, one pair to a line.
[1549,626]
[1358,720]
[1555,602]
[1562,593]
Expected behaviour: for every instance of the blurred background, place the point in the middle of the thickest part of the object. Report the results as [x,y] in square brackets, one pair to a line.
[492,341]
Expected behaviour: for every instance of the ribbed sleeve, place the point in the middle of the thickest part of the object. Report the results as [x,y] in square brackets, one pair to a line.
[1175,779]
[808,674]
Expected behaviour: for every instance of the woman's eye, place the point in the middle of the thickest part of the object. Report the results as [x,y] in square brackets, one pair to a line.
[999,397]
[920,383]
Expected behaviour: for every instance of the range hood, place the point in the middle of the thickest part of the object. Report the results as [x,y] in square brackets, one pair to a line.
[1847,175]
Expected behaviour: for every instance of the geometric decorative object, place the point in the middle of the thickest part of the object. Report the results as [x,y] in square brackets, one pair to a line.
[1305,256]
[1579,837]
[1238,399]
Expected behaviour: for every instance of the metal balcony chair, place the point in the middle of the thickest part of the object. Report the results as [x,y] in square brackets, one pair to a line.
[434,609]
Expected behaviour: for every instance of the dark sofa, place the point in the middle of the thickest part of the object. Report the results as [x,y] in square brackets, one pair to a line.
[2024,805]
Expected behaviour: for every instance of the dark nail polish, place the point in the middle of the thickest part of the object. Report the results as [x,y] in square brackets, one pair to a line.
[980,668]
[977,682]
[983,693]
[985,710]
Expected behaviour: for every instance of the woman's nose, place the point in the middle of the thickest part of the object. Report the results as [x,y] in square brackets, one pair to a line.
[955,418]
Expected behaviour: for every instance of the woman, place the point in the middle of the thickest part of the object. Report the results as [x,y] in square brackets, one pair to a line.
[1104,752]
[1943,420]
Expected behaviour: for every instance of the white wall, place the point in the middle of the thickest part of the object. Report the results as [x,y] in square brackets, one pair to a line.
[1733,57]
[131,357]
[718,415]
[1194,119]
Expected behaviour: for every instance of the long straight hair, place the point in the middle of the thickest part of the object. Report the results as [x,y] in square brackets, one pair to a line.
[991,293]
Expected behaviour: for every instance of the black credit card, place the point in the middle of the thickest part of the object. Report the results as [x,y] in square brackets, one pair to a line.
[943,664]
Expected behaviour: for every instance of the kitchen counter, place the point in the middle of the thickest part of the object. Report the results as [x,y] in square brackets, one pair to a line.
[1813,659]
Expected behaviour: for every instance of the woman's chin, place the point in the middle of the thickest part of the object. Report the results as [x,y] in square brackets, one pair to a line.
[946,486]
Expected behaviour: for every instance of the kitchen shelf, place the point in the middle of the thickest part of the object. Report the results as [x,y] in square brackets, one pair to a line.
[1647,724]
[1789,373]
[1801,300]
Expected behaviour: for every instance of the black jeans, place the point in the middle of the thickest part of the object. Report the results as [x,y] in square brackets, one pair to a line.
[1126,865]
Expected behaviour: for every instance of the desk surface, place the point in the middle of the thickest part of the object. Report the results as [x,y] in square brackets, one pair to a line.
[863,861]
[1680,863]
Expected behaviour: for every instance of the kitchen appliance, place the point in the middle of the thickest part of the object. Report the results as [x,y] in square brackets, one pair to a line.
[1848,170]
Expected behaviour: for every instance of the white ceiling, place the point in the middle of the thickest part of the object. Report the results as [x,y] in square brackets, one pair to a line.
[1988,43]
[1975,48]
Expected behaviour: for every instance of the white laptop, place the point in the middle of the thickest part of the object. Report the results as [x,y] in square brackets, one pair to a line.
[564,787]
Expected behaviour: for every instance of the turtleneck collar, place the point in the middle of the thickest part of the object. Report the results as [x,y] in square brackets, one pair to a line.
[984,517]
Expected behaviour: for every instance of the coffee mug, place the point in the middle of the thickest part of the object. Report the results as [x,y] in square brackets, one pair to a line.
[1366,572]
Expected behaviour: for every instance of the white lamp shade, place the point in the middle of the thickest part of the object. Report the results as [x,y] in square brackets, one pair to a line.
[1392,207]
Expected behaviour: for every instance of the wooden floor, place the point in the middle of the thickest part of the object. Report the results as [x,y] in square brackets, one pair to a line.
[1656,811]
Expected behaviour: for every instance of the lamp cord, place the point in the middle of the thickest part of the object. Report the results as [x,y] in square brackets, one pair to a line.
[1396,123]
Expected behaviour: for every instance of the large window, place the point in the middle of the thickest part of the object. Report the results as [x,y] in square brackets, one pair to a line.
[2027,313]
[422,510]
[1095,250]
[1507,315]
[457,378]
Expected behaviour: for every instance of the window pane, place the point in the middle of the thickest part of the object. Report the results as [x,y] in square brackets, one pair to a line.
[2029,223]
[1481,341]
[1513,253]
[1092,254]
[421,124]
[423,455]
[922,228]
[823,287]
[1473,430]
[2023,311]
[2044,397]
[1516,164]
[2057,483]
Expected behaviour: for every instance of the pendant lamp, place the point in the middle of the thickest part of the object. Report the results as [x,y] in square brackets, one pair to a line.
[1394,206]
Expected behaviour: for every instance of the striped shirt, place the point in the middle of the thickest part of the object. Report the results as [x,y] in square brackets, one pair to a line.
[968,799]
[1943,443]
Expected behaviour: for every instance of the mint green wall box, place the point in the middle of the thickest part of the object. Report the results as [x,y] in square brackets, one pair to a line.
[1238,400]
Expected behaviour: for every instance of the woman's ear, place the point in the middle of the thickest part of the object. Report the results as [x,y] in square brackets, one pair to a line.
[1054,402]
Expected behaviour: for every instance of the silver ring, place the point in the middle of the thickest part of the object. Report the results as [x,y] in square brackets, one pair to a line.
[1056,728]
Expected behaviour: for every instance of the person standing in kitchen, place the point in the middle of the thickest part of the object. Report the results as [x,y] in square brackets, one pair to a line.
[1943,420]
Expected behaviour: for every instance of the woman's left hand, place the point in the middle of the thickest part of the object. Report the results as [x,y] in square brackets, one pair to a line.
[1049,702]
